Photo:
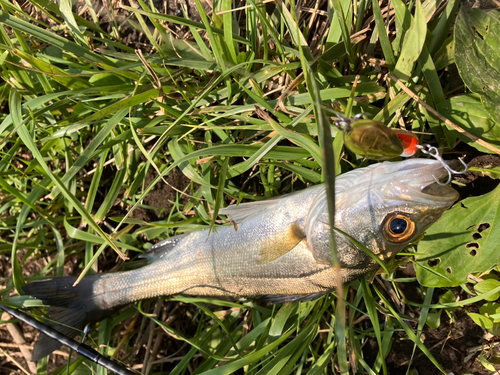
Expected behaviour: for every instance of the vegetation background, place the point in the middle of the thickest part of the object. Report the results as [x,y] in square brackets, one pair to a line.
[126,123]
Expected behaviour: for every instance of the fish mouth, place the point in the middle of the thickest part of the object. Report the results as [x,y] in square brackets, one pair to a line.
[440,192]
[426,177]
[421,176]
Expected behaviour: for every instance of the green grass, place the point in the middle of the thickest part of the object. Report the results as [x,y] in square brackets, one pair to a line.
[85,119]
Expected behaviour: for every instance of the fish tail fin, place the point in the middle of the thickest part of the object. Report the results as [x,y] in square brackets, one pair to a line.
[70,309]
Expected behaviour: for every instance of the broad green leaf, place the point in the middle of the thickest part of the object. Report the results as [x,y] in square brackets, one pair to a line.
[228,30]
[477,55]
[481,320]
[486,286]
[430,73]
[464,241]
[439,31]
[486,364]
[434,319]
[448,297]
[403,20]
[445,55]
[278,325]
[343,14]
[468,112]
[492,310]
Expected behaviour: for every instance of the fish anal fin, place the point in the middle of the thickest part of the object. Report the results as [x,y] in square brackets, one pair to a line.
[284,298]
[281,243]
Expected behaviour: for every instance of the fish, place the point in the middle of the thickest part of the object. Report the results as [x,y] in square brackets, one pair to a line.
[277,249]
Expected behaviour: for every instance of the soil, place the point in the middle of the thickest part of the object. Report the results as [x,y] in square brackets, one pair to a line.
[476,183]
[163,196]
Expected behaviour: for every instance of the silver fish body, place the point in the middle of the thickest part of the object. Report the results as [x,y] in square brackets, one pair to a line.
[277,247]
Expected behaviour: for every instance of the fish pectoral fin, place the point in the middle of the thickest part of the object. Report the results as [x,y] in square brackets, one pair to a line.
[277,245]
[243,211]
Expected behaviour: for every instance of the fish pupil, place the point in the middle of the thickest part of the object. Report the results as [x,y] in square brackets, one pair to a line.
[398,225]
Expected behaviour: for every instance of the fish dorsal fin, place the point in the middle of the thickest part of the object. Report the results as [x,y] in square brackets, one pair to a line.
[243,211]
[157,251]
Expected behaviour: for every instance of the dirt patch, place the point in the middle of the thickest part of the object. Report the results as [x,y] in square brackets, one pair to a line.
[115,17]
[476,183]
[163,195]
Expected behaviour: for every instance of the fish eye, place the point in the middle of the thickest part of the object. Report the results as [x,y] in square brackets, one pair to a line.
[398,228]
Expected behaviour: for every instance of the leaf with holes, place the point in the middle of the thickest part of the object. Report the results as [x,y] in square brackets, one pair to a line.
[477,55]
[464,241]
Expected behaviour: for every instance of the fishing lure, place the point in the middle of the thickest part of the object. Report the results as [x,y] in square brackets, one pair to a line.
[374,140]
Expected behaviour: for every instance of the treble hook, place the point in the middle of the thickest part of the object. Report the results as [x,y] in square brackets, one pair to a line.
[434,152]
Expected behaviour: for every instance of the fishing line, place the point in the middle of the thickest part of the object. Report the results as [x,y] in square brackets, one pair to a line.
[81,349]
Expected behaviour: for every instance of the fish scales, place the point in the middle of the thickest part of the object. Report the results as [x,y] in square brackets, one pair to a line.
[217,264]
[278,247]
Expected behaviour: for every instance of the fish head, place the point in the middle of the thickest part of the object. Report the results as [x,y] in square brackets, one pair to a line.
[385,207]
